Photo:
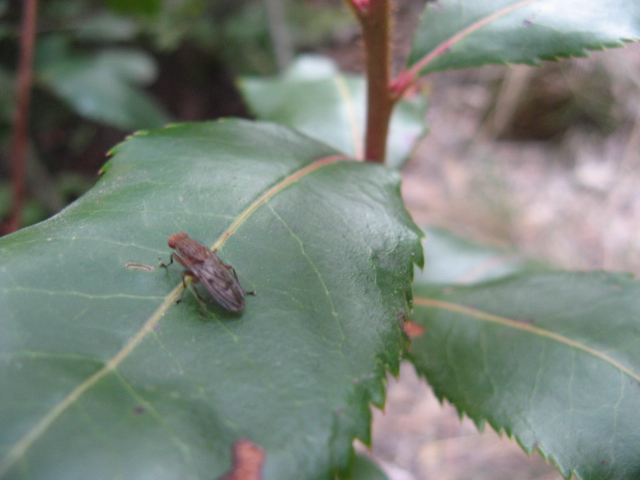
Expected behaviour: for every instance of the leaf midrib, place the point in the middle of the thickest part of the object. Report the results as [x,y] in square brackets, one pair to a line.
[446,45]
[507,322]
[21,447]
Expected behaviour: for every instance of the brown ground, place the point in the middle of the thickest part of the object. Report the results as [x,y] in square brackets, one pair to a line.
[572,196]
[417,438]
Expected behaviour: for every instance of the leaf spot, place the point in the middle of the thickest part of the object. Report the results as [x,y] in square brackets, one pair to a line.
[412,329]
[247,462]
[138,266]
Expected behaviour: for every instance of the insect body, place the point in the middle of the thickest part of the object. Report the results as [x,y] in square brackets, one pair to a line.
[204,266]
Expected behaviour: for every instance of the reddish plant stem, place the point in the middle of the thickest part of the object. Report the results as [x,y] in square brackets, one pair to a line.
[375,21]
[21,118]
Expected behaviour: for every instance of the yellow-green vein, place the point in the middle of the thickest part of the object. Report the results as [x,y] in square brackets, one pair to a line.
[472,312]
[21,447]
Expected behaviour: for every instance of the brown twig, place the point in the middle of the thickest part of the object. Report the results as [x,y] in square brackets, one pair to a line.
[375,19]
[380,103]
[21,118]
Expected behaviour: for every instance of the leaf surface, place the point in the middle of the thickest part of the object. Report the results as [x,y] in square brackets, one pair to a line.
[315,98]
[103,87]
[366,469]
[102,376]
[455,34]
[552,359]
[451,259]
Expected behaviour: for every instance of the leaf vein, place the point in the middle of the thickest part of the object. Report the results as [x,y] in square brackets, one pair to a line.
[472,312]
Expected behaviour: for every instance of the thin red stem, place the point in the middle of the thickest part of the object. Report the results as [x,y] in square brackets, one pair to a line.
[376,34]
[21,118]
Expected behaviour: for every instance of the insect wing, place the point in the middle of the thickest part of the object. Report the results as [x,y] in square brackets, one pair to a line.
[220,283]
[191,252]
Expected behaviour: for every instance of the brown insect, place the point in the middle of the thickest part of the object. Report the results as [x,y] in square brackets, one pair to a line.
[203,265]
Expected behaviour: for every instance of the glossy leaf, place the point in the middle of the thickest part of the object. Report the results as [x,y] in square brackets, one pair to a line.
[102,376]
[315,98]
[457,34]
[552,359]
[452,259]
[102,87]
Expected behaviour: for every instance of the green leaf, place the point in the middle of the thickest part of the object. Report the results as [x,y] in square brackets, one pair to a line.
[136,7]
[365,469]
[101,87]
[452,259]
[456,34]
[315,98]
[107,27]
[552,359]
[102,376]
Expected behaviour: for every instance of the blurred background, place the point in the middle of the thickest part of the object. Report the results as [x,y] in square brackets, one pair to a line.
[538,160]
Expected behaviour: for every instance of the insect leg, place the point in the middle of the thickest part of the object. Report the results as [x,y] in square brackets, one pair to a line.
[166,265]
[194,279]
[186,273]
[184,285]
[195,290]
[233,270]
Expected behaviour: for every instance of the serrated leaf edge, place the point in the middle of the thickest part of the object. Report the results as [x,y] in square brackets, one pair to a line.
[445,46]
[480,422]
